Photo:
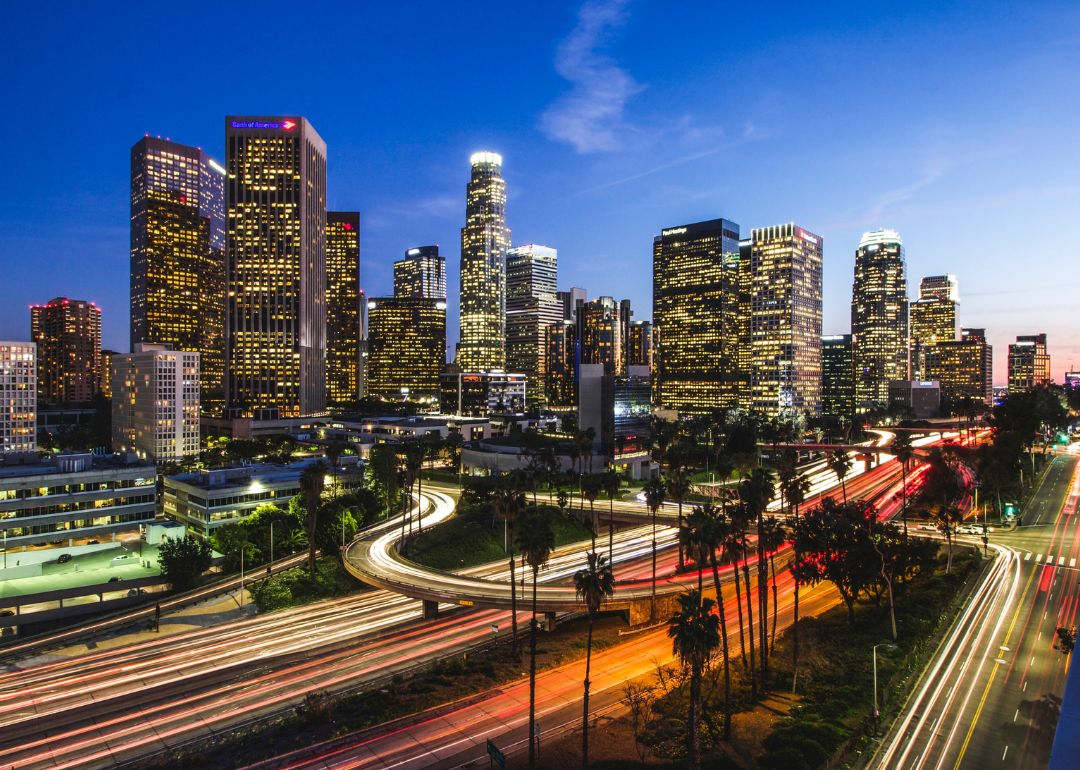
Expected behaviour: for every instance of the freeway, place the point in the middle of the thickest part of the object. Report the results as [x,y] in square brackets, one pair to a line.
[991,696]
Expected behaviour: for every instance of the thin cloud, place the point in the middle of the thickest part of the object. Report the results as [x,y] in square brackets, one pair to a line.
[590,116]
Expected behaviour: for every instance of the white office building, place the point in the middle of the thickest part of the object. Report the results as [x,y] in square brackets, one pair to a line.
[156,403]
[18,397]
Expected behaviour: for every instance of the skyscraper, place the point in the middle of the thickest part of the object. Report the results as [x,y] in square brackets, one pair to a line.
[406,348]
[1029,362]
[639,351]
[600,332]
[276,333]
[531,307]
[963,368]
[561,364]
[837,375]
[178,255]
[879,315]
[156,403]
[422,274]
[570,301]
[68,337]
[785,320]
[18,412]
[343,307]
[696,317]
[933,320]
[484,241]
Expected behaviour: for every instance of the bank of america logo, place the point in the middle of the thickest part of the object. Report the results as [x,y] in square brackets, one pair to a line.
[288,124]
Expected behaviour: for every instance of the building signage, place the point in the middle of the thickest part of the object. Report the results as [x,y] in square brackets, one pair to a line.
[288,125]
[807,237]
[673,231]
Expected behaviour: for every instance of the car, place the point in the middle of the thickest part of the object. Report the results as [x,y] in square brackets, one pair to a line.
[6,613]
[927,527]
[56,542]
[115,579]
[64,558]
[123,556]
[93,542]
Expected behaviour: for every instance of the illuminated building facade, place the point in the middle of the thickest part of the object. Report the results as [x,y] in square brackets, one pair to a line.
[879,315]
[785,321]
[561,360]
[422,274]
[1029,363]
[105,381]
[933,320]
[600,332]
[68,337]
[406,348]
[696,279]
[570,301]
[276,329]
[531,307]
[343,308]
[484,241]
[837,375]
[639,348]
[479,394]
[178,238]
[18,397]
[963,368]
[155,404]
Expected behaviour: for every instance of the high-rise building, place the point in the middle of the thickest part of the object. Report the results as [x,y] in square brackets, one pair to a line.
[484,241]
[422,274]
[562,361]
[531,307]
[343,309]
[406,348]
[18,397]
[639,348]
[785,320]
[105,381]
[570,301]
[1029,362]
[68,337]
[933,320]
[696,279]
[178,256]
[361,371]
[276,331]
[879,315]
[600,333]
[964,368]
[155,404]
[837,375]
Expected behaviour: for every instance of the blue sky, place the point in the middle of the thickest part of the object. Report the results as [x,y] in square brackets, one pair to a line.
[954,123]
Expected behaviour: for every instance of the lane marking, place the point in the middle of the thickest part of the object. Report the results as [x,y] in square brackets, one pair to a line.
[1006,752]
[1026,558]
[1016,714]
[1061,560]
[1039,557]
[1025,686]
[1072,562]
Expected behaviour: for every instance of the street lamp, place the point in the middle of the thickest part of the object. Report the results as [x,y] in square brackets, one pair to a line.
[891,647]
[268,566]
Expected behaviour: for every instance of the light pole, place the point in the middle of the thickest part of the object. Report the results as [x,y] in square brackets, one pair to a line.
[268,566]
[984,538]
[892,647]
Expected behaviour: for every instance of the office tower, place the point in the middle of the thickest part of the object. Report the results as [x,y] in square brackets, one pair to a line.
[923,397]
[155,404]
[276,331]
[531,307]
[1029,363]
[626,320]
[342,306]
[361,371]
[696,318]
[484,241]
[178,256]
[422,274]
[879,315]
[964,368]
[570,301]
[933,319]
[599,330]
[105,380]
[68,337]
[785,321]
[18,397]
[406,348]
[479,394]
[639,349]
[837,375]
[561,361]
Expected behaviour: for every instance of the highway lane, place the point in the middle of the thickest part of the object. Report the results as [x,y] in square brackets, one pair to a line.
[991,696]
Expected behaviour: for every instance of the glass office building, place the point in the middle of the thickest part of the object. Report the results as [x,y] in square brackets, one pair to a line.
[421,274]
[531,307]
[406,348]
[837,375]
[879,315]
[343,306]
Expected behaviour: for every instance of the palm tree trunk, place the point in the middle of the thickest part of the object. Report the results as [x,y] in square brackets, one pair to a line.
[611,534]
[795,619]
[585,715]
[532,678]
[681,565]
[723,636]
[903,506]
[695,705]
[738,604]
[513,598]
[775,603]
[652,611]
[763,603]
[592,524]
[843,486]
[750,626]
[420,494]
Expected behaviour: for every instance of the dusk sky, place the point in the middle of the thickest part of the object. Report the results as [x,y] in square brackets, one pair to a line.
[954,123]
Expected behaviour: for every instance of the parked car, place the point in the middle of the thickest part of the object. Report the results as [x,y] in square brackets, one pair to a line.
[123,556]
[93,542]
[6,613]
[64,558]
[115,579]
[56,542]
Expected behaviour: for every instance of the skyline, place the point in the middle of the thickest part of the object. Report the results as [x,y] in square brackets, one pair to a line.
[609,134]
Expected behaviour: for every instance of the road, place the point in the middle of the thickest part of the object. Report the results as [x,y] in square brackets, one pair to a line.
[991,696]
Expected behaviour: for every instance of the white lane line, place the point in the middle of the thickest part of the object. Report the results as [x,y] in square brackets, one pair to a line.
[1006,752]
[1049,558]
[1072,562]
[1032,657]
[1025,685]
[1028,557]
[1039,557]
[1061,560]
[1016,714]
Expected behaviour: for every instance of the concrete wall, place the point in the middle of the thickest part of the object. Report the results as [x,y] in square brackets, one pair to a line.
[44,555]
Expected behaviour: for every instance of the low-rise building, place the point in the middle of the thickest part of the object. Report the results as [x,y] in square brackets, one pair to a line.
[923,396]
[479,394]
[75,496]
[1029,363]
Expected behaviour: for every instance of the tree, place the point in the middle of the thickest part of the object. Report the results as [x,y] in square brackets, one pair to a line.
[312,481]
[413,453]
[654,498]
[334,451]
[905,453]
[383,464]
[795,491]
[714,535]
[678,487]
[610,482]
[536,539]
[840,463]
[591,484]
[756,492]
[509,501]
[183,561]
[694,633]
[771,536]
[593,584]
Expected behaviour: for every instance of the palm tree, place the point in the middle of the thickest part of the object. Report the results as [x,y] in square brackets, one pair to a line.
[694,633]
[312,481]
[736,538]
[840,463]
[536,539]
[946,517]
[654,498]
[334,451]
[795,491]
[772,535]
[413,453]
[756,491]
[905,453]
[678,487]
[611,489]
[590,490]
[593,584]
[714,537]
[588,438]
[509,501]
[693,539]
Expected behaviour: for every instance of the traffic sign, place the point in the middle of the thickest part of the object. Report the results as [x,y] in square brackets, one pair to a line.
[497,756]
